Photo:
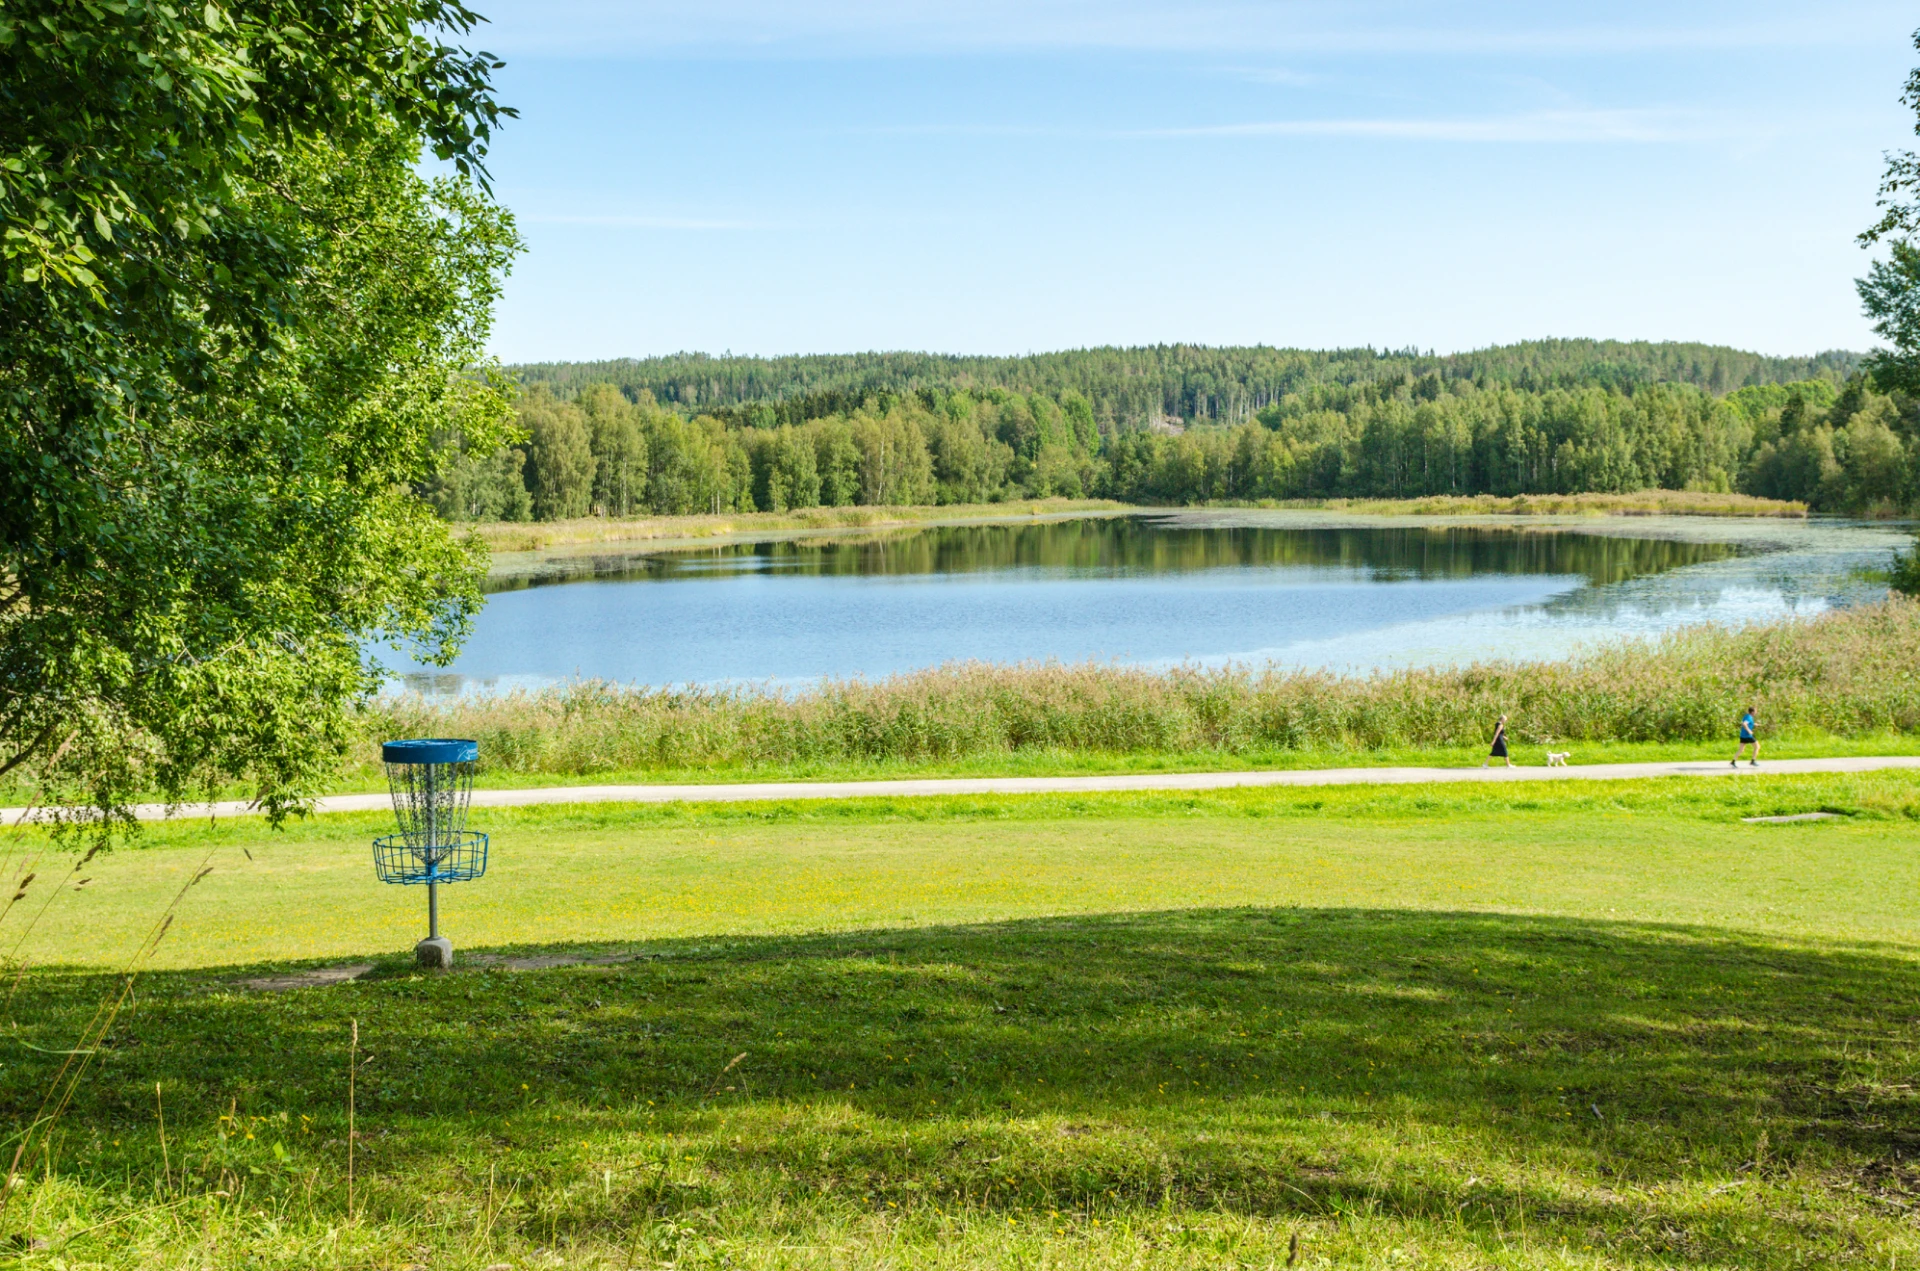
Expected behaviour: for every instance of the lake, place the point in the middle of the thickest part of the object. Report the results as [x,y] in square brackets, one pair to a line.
[1301,589]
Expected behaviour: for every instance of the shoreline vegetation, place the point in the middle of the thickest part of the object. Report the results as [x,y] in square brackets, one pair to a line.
[595,531]
[1185,427]
[1638,503]
[1844,678]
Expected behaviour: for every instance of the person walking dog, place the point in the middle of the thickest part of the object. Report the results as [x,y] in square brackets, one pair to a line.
[1749,736]
[1499,750]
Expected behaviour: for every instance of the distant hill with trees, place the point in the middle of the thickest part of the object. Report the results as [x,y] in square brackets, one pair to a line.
[1186,382]
[1181,424]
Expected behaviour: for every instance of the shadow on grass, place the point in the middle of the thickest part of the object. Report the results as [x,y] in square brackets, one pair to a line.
[1450,1067]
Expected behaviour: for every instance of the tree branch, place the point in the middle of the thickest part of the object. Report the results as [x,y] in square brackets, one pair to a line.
[26,752]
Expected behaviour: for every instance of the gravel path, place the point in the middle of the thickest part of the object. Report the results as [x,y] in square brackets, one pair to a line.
[751,791]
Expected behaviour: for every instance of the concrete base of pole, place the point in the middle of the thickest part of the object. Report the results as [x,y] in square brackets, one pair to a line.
[436,952]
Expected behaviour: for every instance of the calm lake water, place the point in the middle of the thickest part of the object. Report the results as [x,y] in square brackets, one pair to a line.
[1300,589]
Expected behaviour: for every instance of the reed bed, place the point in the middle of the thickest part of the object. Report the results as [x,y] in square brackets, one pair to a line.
[1638,503]
[523,536]
[1847,673]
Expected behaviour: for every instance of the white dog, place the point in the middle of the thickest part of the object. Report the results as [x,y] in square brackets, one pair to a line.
[1557,758]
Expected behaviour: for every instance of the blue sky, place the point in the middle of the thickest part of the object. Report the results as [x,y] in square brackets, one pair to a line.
[1000,177]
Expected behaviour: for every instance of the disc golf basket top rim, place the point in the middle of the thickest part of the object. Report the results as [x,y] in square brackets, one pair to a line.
[431,750]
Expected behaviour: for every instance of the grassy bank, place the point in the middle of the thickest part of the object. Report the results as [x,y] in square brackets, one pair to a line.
[1639,503]
[1835,683]
[1434,1027]
[522,536]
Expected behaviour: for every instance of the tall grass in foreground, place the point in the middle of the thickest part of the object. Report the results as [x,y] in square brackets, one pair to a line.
[1846,674]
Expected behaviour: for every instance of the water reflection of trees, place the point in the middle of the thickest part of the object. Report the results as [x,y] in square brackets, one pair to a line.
[1116,546]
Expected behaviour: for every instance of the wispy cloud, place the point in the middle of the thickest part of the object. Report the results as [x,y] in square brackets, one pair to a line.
[612,28]
[1279,75]
[645,222]
[1630,126]
[1595,126]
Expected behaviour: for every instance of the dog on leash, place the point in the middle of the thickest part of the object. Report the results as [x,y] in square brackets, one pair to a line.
[1557,758]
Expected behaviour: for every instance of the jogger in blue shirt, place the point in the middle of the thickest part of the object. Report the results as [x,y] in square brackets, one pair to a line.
[1749,736]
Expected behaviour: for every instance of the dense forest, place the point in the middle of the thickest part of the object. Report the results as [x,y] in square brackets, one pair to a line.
[1185,425]
[1135,387]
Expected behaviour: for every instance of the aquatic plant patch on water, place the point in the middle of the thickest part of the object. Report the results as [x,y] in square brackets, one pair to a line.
[524,536]
[1640,503]
[1846,674]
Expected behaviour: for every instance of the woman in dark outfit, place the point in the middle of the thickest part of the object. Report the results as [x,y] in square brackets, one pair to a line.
[1499,750]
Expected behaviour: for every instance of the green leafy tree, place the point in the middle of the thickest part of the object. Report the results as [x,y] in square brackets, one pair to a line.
[1127,388]
[619,446]
[680,462]
[1890,294]
[234,315]
[1891,290]
[785,471]
[733,486]
[1841,446]
[968,466]
[1079,413]
[560,462]
[838,462]
[489,488]
[895,467]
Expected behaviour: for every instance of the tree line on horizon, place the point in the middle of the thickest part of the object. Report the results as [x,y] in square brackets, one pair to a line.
[1133,387]
[1831,440]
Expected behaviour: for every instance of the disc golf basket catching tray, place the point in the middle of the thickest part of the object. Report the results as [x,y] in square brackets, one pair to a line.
[432,784]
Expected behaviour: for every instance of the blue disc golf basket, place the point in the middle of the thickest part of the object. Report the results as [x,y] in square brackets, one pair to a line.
[432,783]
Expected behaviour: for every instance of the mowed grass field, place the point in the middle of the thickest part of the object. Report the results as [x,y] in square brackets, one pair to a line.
[1415,1026]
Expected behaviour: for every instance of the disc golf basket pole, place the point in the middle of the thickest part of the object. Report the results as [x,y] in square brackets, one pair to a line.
[432,784]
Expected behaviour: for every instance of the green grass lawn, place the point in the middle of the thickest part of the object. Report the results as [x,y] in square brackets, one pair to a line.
[1414,1026]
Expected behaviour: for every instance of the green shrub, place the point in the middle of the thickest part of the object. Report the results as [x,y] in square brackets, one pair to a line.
[1904,576]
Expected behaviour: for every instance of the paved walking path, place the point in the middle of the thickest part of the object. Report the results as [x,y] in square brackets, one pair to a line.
[749,791]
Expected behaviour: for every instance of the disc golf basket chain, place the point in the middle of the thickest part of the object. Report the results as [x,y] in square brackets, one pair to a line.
[432,784]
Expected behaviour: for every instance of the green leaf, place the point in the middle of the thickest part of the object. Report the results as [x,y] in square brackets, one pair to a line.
[222,516]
